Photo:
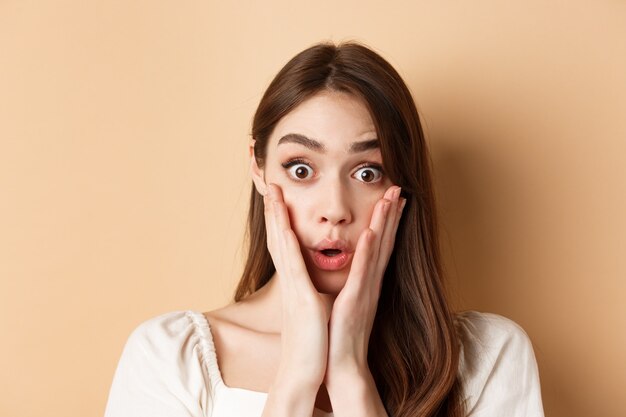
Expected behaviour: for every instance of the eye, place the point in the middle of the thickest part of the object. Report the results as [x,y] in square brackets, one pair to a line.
[369,174]
[298,170]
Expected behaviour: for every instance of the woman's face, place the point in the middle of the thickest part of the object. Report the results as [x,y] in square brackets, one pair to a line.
[324,155]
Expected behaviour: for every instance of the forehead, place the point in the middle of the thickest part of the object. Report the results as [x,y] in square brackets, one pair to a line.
[335,119]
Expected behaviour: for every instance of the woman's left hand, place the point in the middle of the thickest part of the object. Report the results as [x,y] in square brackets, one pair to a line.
[355,307]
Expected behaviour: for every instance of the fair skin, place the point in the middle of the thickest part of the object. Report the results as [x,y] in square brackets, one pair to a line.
[322,182]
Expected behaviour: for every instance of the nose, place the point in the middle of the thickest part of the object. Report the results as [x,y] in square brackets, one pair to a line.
[335,206]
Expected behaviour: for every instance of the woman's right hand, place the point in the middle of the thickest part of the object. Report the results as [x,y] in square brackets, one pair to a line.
[305,312]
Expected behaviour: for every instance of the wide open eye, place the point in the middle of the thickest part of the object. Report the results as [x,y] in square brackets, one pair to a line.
[299,171]
[369,174]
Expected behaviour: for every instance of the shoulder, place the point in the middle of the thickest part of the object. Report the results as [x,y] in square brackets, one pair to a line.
[497,365]
[171,341]
[163,367]
[488,332]
[166,329]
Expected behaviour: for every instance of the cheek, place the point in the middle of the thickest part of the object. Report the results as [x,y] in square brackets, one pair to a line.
[298,209]
[367,207]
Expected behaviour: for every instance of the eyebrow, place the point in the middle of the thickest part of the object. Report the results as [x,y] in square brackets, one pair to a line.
[355,147]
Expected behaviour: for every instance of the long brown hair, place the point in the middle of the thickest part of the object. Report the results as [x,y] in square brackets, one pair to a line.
[413,350]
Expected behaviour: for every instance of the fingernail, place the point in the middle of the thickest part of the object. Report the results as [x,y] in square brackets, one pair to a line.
[403,204]
[398,192]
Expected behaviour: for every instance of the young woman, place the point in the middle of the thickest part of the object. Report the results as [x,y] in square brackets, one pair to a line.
[341,308]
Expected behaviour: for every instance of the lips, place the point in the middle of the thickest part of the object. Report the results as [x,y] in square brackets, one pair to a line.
[331,255]
[341,245]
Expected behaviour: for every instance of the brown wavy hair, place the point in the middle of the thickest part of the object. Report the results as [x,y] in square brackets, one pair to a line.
[413,350]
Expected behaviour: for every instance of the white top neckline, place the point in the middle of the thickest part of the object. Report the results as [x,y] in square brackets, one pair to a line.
[168,368]
[206,338]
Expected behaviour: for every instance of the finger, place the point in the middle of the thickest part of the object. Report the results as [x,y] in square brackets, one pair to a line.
[269,223]
[296,273]
[278,255]
[389,233]
[385,227]
[379,219]
[360,264]
[280,208]
[274,238]
[391,220]
[365,261]
[389,238]
[272,226]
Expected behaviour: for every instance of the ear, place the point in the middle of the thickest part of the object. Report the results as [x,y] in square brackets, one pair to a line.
[257,174]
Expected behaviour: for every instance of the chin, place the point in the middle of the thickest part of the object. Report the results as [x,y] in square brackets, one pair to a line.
[327,282]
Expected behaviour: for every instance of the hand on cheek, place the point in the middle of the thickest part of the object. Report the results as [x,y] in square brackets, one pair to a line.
[304,336]
[355,307]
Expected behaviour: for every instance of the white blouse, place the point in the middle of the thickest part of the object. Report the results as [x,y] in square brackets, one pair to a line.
[168,368]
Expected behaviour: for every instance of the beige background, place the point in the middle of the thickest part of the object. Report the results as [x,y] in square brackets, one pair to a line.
[123,172]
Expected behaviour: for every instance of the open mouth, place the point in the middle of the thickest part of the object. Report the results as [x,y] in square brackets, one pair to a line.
[331,259]
[331,255]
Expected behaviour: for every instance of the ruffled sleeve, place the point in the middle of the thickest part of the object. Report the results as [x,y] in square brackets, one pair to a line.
[497,367]
[161,372]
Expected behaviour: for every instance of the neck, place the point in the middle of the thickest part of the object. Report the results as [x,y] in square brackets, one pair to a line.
[263,308]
